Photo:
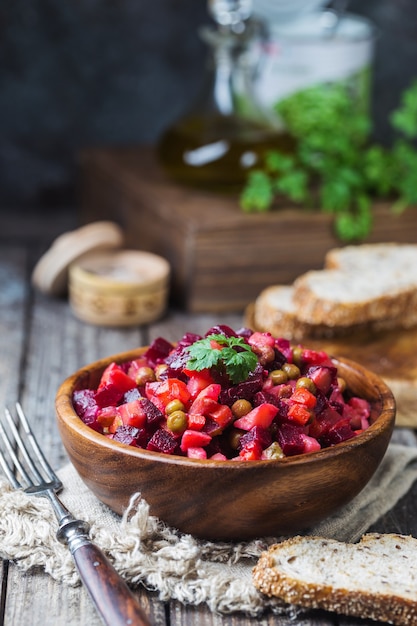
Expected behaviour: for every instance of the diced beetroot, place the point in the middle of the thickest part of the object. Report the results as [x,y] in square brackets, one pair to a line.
[244,332]
[86,406]
[158,351]
[258,434]
[264,396]
[341,431]
[212,428]
[194,439]
[153,415]
[314,357]
[251,452]
[221,329]
[323,422]
[284,346]
[196,453]
[114,383]
[261,415]
[323,377]
[245,390]
[290,438]
[217,445]
[131,436]
[278,362]
[162,441]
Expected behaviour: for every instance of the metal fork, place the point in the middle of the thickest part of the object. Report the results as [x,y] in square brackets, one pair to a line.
[113,599]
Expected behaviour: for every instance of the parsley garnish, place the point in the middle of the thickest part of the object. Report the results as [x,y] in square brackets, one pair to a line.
[335,167]
[236,356]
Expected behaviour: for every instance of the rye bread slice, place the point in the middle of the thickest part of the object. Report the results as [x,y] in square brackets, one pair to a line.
[375,578]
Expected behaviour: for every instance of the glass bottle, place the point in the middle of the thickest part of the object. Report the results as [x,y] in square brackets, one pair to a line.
[227,132]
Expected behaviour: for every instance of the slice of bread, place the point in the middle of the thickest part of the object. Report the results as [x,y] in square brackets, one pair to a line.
[372,256]
[343,297]
[375,578]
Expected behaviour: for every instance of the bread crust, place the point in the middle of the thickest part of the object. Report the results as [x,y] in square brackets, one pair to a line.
[304,585]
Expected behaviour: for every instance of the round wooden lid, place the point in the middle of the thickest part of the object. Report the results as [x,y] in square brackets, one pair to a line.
[50,274]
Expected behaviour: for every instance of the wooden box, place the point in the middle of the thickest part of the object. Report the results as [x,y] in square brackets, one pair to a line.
[221,258]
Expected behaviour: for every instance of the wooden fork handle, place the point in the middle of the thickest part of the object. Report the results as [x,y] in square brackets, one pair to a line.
[110,594]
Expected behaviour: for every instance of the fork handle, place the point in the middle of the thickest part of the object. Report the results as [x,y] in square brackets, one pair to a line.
[110,594]
[112,597]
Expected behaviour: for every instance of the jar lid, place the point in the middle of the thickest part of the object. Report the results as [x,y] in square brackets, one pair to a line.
[50,274]
[119,288]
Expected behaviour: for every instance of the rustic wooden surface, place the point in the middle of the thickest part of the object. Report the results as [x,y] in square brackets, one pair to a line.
[41,344]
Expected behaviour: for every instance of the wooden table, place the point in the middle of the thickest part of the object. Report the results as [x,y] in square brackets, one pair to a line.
[41,344]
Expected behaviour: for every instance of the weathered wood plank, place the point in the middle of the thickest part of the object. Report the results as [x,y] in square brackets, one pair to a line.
[34,598]
[14,298]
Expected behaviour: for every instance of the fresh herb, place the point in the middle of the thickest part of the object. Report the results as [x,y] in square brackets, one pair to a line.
[335,166]
[234,355]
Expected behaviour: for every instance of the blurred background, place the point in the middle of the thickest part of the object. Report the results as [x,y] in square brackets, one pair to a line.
[109,72]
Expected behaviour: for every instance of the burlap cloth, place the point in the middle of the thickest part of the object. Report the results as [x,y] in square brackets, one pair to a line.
[178,566]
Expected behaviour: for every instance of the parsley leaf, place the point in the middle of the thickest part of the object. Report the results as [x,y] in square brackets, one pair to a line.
[258,193]
[235,356]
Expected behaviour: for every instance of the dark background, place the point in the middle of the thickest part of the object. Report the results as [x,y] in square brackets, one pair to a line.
[76,73]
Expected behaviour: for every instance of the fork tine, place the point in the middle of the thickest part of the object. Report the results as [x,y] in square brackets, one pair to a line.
[5,466]
[23,450]
[36,449]
[16,463]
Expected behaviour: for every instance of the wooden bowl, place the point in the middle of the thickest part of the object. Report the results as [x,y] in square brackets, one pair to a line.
[228,500]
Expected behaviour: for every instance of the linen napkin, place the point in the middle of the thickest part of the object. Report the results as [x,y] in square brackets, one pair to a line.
[175,565]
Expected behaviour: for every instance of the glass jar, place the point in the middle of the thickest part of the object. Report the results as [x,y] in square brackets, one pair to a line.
[227,131]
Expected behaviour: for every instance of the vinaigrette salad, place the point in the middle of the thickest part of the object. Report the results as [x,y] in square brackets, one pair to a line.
[227,395]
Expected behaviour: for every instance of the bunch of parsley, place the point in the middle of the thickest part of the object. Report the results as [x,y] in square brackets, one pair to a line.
[335,166]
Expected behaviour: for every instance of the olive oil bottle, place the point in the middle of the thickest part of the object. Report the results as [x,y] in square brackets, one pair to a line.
[226,133]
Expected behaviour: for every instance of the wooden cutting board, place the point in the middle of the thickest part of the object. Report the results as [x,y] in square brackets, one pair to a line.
[392,355]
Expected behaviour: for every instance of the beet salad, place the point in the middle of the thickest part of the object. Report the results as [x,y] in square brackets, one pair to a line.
[228,395]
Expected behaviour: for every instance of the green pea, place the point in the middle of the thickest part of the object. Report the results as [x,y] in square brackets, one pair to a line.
[177,421]
[241,407]
[306,383]
[174,405]
[292,370]
[278,377]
